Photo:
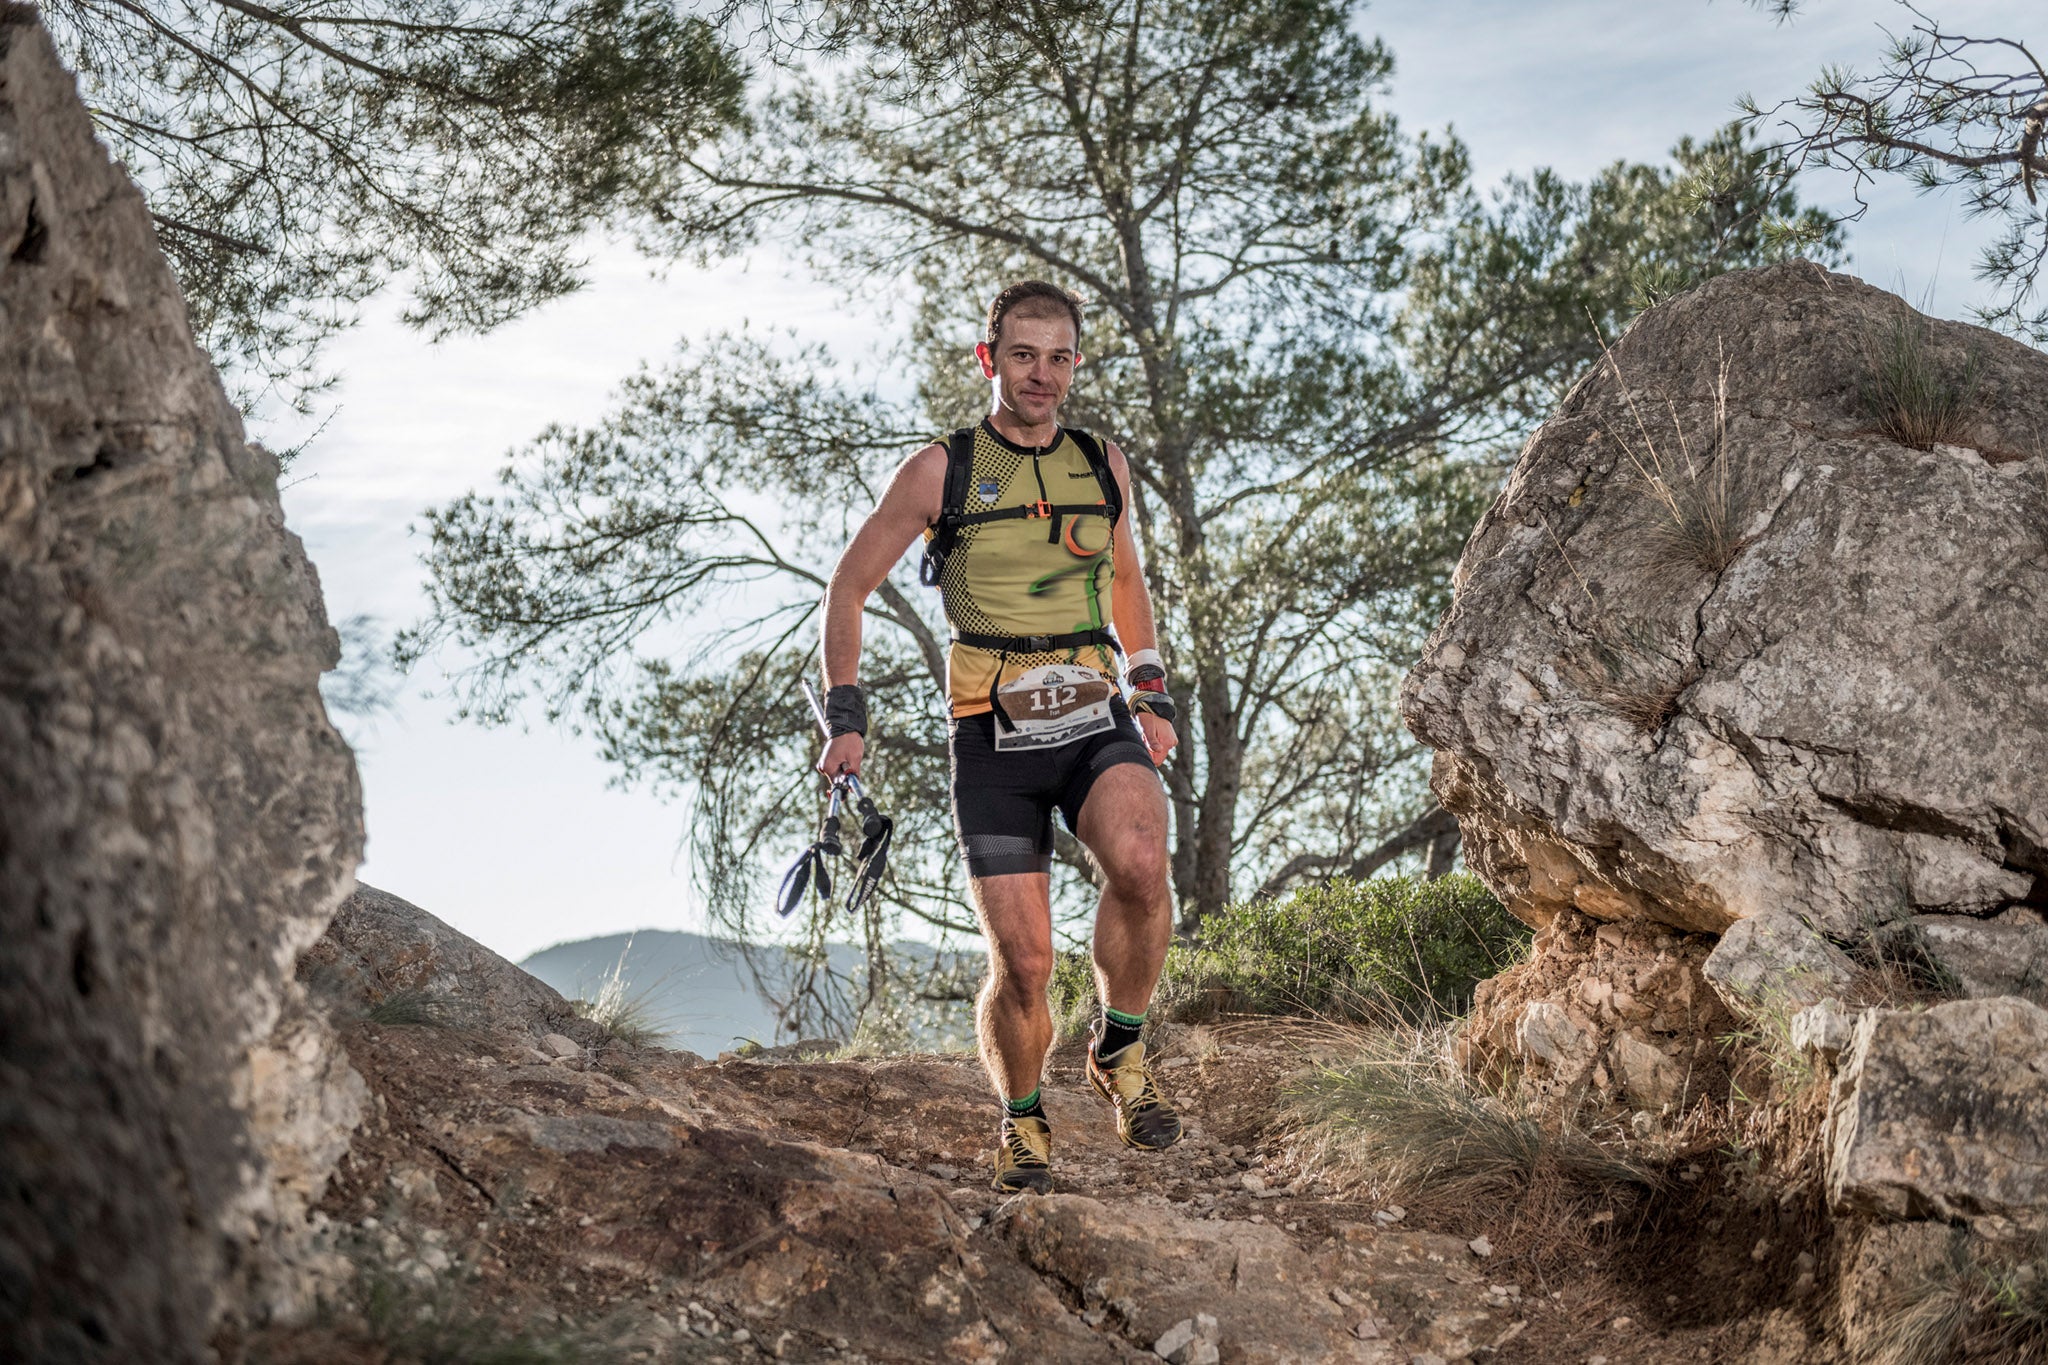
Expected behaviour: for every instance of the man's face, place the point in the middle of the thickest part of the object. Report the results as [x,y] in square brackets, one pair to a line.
[1032,364]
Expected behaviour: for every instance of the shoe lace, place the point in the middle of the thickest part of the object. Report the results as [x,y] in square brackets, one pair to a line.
[1138,1094]
[1019,1149]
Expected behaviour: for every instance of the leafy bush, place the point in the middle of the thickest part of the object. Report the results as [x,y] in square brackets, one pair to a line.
[1397,946]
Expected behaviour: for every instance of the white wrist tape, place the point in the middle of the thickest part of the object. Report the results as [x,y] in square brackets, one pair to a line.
[1136,660]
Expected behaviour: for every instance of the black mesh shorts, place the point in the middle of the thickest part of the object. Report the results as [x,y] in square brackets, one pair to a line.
[1003,802]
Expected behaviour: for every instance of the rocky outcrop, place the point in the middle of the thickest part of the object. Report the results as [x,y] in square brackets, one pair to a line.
[179,818]
[1727,659]
[1721,647]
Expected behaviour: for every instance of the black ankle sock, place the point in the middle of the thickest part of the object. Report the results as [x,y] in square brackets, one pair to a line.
[1030,1107]
[1119,1031]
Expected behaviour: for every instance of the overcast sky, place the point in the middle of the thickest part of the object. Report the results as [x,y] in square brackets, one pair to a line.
[512,835]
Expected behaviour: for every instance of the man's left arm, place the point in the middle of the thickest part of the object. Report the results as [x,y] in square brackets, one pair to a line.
[1130,604]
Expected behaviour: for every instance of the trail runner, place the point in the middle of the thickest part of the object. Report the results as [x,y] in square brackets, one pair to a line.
[1036,566]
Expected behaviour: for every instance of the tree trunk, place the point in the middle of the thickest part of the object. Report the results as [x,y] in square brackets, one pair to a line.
[1442,856]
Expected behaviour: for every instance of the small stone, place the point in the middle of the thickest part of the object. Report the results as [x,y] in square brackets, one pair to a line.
[1761,1250]
[1206,1326]
[1366,1330]
[1174,1338]
[942,1171]
[1094,1317]
[1622,1324]
[1341,1299]
[1480,1246]
[1253,1182]
[742,1335]
[1427,1358]
[557,1045]
[585,1221]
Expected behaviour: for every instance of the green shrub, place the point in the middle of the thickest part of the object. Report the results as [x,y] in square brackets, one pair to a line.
[1397,946]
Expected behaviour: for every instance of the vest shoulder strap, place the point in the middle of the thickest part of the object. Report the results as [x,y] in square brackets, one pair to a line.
[952,503]
[1093,451]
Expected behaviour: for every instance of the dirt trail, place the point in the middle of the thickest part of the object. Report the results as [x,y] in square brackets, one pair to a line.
[838,1210]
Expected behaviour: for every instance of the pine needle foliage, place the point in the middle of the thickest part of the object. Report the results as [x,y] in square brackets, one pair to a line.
[297,156]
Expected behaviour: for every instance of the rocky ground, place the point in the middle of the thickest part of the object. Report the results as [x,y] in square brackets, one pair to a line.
[617,1203]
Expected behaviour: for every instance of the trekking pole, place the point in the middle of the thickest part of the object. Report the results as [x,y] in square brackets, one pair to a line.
[876,829]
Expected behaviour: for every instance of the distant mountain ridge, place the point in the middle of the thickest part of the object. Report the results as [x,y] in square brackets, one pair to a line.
[700,988]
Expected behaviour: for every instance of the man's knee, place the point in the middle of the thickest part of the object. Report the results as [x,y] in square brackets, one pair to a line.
[1022,971]
[1135,869]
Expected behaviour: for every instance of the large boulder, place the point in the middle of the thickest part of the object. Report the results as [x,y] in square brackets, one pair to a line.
[177,818]
[1723,650]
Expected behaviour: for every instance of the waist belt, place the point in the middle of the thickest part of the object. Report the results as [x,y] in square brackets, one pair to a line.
[1037,644]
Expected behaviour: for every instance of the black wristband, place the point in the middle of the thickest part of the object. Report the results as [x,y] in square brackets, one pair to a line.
[1154,703]
[846,711]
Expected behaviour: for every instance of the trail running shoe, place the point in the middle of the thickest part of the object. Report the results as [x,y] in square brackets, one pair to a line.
[1143,1119]
[1024,1156]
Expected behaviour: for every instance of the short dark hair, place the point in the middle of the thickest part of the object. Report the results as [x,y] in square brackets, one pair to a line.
[1032,299]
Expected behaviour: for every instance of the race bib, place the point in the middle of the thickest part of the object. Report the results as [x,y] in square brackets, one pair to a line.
[1054,705]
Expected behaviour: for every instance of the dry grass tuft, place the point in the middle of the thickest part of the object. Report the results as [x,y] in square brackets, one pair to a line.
[1622,668]
[1704,499]
[626,1014]
[1976,1301]
[1907,392]
[1398,1115]
[417,1008]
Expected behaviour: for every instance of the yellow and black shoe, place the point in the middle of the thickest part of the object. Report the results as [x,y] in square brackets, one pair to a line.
[1024,1156]
[1143,1118]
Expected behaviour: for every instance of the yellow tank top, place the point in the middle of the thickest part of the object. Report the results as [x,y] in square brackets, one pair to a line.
[1019,577]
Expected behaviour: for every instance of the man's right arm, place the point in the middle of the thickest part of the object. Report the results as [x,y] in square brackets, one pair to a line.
[910,504]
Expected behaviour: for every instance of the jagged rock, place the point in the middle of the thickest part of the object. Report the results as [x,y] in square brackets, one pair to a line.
[1775,960]
[2005,956]
[1823,1029]
[1649,1077]
[1546,1036]
[180,819]
[1943,1113]
[1836,707]
[380,947]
